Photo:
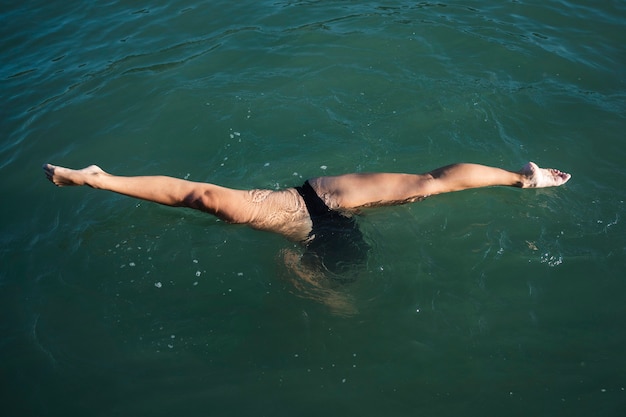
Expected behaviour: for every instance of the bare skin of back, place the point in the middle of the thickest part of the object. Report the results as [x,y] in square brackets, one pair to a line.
[285,212]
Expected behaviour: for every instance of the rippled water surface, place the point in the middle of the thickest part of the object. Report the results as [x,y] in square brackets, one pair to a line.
[484,302]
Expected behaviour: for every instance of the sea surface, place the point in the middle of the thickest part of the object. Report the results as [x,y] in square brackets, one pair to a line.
[487,302]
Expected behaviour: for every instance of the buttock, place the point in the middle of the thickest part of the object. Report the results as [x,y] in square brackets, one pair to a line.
[280,212]
[335,244]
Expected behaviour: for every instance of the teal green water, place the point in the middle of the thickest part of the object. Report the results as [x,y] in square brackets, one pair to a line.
[484,302]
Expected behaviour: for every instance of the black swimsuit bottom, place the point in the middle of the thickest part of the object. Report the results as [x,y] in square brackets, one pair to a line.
[336,244]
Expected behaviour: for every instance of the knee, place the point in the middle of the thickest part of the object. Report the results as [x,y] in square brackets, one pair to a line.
[198,199]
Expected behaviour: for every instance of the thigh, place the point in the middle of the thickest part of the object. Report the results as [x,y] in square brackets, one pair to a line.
[352,191]
[282,212]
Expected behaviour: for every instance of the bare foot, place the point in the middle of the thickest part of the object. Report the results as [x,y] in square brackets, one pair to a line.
[65,176]
[536,177]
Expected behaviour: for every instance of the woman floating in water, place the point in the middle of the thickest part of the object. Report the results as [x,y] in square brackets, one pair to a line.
[319,214]
[294,212]
[308,213]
